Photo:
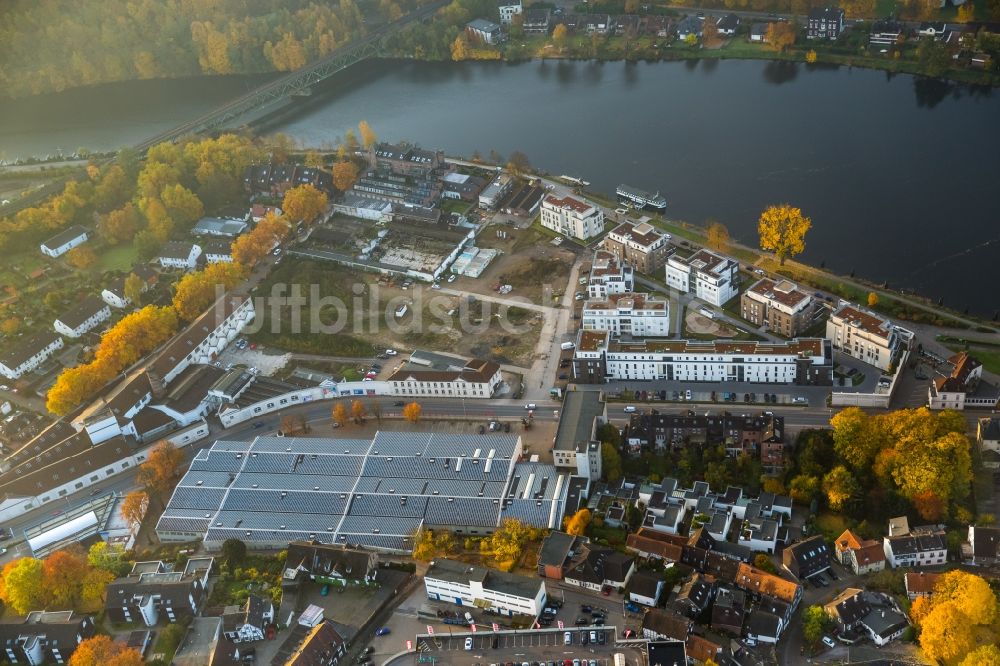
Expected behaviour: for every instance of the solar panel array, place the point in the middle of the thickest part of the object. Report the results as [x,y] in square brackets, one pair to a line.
[372,493]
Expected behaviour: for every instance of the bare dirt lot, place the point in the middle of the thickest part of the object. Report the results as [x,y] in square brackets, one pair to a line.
[535,268]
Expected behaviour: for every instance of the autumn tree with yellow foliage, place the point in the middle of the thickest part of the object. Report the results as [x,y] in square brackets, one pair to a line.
[345,173]
[339,414]
[780,35]
[412,412]
[198,290]
[162,468]
[782,230]
[717,236]
[368,136]
[103,651]
[961,605]
[304,204]
[578,522]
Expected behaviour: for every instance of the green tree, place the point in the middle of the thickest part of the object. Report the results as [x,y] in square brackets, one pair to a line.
[234,552]
[611,462]
[839,486]
[764,563]
[803,488]
[108,557]
[815,623]
[21,586]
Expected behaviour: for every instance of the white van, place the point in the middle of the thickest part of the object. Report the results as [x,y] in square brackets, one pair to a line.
[568,345]
[705,312]
[567,638]
[629,409]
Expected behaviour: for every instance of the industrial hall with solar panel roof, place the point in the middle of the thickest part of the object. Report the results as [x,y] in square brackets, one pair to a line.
[373,493]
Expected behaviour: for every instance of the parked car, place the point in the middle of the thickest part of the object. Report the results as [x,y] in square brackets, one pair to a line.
[468,642]
[827,641]
[384,631]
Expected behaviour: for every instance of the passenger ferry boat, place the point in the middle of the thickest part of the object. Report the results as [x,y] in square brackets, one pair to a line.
[641,198]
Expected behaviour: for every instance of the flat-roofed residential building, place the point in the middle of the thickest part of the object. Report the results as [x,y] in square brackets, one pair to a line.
[28,353]
[640,245]
[572,217]
[478,379]
[609,275]
[781,306]
[154,591]
[491,195]
[801,361]
[863,335]
[711,277]
[632,315]
[82,317]
[576,446]
[486,589]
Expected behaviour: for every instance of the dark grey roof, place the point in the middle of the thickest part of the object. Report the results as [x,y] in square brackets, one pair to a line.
[986,542]
[644,583]
[762,623]
[909,544]
[27,348]
[176,250]
[576,423]
[82,311]
[991,429]
[852,609]
[667,623]
[808,557]
[331,560]
[491,579]
[667,653]
[555,549]
[729,22]
[828,13]
[64,237]
[884,622]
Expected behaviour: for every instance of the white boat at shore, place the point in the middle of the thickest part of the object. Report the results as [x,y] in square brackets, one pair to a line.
[574,180]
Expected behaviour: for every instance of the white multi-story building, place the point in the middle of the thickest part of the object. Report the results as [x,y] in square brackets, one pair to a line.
[478,379]
[802,361]
[920,547]
[635,315]
[64,241]
[508,10]
[711,277]
[205,338]
[486,589]
[863,335]
[87,314]
[609,275]
[29,354]
[572,217]
[179,254]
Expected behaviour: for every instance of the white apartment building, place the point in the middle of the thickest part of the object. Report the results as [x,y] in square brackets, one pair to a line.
[90,312]
[508,10]
[635,315]
[484,589]
[802,361]
[478,379]
[919,548]
[863,335]
[572,217]
[29,354]
[205,338]
[179,254]
[711,277]
[609,275]
[64,241]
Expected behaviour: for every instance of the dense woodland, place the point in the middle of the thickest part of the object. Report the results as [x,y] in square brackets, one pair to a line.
[51,45]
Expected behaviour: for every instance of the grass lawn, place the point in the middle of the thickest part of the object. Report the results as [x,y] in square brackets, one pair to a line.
[988,355]
[613,535]
[120,258]
[455,206]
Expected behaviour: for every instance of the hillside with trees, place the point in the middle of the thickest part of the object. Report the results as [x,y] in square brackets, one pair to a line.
[52,45]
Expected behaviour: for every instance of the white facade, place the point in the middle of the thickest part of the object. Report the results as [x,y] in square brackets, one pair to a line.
[508,10]
[29,355]
[863,335]
[208,347]
[490,197]
[64,242]
[636,315]
[176,260]
[488,589]
[100,316]
[710,277]
[415,386]
[572,217]
[802,361]
[609,276]
[914,551]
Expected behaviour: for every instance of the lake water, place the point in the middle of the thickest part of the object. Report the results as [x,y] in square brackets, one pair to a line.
[899,175]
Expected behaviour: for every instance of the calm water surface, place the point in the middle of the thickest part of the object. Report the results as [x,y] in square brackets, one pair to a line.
[899,175]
